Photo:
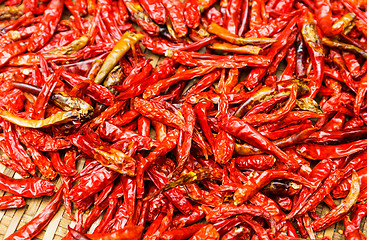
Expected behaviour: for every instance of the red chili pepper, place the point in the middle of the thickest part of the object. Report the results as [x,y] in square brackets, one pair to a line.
[156,10]
[331,182]
[258,162]
[107,156]
[92,183]
[250,188]
[351,231]
[167,145]
[128,232]
[150,110]
[244,131]
[313,44]
[14,150]
[37,224]
[341,210]
[42,162]
[343,188]
[8,202]
[206,232]
[192,13]
[175,196]
[318,152]
[60,166]
[12,50]
[47,26]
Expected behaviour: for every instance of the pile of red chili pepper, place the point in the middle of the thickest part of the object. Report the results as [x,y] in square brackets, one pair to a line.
[255,115]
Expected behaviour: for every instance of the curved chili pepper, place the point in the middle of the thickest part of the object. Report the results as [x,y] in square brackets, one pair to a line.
[31,187]
[58,118]
[257,162]
[314,47]
[33,227]
[342,210]
[331,182]
[8,202]
[107,156]
[150,110]
[250,188]
[47,26]
[318,152]
[343,188]
[122,46]
[141,17]
[244,131]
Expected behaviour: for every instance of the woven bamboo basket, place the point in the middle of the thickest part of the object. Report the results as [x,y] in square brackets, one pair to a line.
[11,220]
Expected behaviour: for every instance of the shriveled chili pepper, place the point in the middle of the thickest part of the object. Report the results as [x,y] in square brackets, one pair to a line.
[150,110]
[251,187]
[331,182]
[138,15]
[8,202]
[340,211]
[12,50]
[107,156]
[47,26]
[92,183]
[351,231]
[313,44]
[343,188]
[168,143]
[318,152]
[258,162]
[37,224]
[128,232]
[175,196]
[244,131]
[27,187]
[358,214]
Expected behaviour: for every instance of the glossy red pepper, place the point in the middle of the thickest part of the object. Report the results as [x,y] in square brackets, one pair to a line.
[8,202]
[37,224]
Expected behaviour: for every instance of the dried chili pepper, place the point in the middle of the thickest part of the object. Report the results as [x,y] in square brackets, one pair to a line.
[8,202]
[124,44]
[340,211]
[33,227]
